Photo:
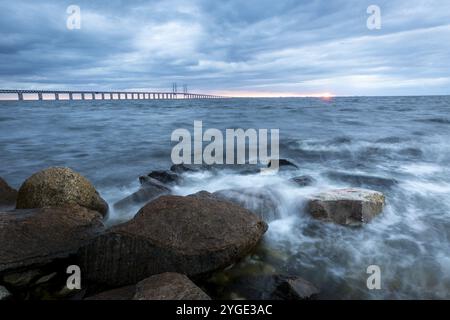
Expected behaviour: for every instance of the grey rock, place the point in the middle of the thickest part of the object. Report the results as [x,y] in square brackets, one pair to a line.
[346,206]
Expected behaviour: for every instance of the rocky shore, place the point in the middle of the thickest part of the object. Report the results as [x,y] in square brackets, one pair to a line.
[175,247]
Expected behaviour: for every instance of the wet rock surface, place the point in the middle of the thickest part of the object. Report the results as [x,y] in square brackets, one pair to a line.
[35,237]
[165,286]
[193,235]
[360,180]
[8,195]
[346,206]
[56,187]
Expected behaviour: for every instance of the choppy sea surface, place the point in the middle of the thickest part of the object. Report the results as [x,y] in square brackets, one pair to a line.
[405,141]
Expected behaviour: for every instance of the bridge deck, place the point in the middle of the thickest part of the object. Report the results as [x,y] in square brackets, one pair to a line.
[97,95]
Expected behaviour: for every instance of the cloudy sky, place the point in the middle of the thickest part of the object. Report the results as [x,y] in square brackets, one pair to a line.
[251,47]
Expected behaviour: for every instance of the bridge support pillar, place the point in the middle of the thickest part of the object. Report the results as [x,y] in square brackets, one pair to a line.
[40,96]
[56,96]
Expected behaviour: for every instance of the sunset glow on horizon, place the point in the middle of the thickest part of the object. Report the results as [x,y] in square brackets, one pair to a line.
[256,94]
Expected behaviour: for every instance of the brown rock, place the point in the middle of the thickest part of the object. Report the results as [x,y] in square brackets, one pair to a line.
[56,187]
[8,195]
[165,286]
[33,238]
[346,206]
[193,235]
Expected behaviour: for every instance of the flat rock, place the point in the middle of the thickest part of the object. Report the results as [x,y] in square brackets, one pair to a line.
[56,187]
[32,238]
[192,235]
[8,195]
[346,206]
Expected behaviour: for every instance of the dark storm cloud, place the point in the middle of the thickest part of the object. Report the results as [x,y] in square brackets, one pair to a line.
[249,47]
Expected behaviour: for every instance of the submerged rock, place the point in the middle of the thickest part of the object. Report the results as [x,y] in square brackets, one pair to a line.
[150,190]
[295,288]
[56,187]
[182,168]
[346,206]
[193,235]
[34,238]
[4,293]
[165,286]
[303,181]
[162,176]
[274,287]
[262,201]
[8,195]
[284,163]
[360,180]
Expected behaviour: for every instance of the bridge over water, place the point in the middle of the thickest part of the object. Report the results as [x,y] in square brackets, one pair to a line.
[23,95]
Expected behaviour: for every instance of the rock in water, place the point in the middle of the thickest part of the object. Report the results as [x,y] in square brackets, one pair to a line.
[193,235]
[56,187]
[150,189]
[162,176]
[165,286]
[296,288]
[346,206]
[34,238]
[283,163]
[263,202]
[7,194]
[360,180]
[4,293]
[303,181]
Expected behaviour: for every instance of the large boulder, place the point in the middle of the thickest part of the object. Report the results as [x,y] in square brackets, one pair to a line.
[262,201]
[7,194]
[165,286]
[32,239]
[150,189]
[55,187]
[193,235]
[346,206]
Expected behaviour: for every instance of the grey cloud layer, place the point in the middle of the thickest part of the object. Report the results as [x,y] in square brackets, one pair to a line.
[283,47]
